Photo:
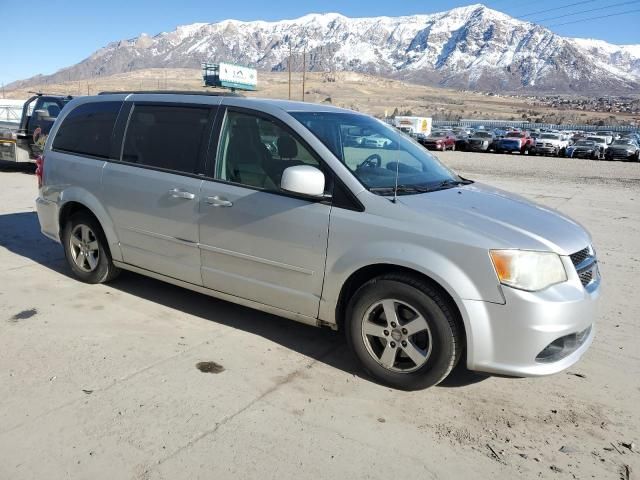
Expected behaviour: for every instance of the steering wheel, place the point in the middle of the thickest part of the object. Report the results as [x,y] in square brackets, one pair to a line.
[372,161]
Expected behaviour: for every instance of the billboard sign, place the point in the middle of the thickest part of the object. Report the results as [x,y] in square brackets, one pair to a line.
[235,76]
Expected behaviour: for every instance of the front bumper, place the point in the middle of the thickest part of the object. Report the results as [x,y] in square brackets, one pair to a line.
[619,155]
[477,147]
[545,149]
[582,153]
[509,147]
[433,146]
[511,339]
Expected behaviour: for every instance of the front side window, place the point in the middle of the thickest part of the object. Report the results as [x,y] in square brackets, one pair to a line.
[254,151]
[166,136]
[375,152]
[87,129]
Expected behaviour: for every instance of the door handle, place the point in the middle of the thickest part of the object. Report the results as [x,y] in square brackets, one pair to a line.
[217,201]
[176,193]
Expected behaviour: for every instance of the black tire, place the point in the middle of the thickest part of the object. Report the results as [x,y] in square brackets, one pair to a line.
[444,335]
[104,269]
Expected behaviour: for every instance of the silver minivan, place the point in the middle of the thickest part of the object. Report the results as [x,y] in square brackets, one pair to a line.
[276,205]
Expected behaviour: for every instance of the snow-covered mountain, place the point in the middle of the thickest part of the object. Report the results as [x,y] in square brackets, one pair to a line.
[469,47]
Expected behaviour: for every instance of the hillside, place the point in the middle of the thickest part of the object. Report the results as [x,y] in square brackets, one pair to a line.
[367,93]
[471,47]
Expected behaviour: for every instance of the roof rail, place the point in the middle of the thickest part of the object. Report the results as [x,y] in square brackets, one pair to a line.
[174,92]
[40,94]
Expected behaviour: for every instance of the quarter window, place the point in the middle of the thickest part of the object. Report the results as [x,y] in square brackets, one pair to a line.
[166,136]
[87,129]
[255,151]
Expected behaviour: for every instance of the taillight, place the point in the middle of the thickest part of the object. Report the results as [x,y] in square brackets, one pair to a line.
[39,169]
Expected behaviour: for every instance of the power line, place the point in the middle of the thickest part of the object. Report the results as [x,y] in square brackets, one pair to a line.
[587,11]
[593,18]
[557,8]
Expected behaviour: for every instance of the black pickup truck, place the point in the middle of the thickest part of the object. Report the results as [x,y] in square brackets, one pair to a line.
[38,115]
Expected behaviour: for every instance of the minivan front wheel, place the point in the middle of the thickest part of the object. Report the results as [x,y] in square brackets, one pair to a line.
[403,331]
[85,249]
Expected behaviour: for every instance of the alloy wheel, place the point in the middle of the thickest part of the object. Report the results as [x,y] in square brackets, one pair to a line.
[84,248]
[396,335]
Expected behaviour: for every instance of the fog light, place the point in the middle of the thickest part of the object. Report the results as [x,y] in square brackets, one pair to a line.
[563,347]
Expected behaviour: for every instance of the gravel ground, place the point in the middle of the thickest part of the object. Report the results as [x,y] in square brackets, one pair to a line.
[101,381]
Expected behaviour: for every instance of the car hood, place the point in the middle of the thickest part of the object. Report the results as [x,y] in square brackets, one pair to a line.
[504,219]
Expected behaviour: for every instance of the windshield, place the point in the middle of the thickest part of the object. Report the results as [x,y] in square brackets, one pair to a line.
[375,164]
[626,141]
[438,134]
[597,140]
[550,136]
[585,143]
[514,135]
[483,135]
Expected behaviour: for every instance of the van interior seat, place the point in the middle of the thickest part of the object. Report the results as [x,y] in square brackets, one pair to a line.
[246,155]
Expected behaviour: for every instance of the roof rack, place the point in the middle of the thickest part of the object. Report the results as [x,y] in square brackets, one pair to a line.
[40,94]
[175,92]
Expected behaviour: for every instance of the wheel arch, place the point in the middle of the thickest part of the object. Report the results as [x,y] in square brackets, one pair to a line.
[72,202]
[369,272]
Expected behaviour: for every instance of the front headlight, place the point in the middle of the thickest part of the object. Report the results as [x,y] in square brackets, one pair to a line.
[528,270]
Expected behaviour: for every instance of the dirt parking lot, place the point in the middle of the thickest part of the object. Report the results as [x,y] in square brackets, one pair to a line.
[101,381]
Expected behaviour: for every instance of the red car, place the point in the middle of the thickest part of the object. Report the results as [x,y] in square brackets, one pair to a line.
[516,142]
[440,141]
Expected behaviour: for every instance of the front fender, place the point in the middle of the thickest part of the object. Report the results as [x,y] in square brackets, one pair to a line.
[448,274]
[86,198]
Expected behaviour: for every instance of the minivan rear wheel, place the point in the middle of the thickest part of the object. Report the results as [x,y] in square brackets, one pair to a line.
[403,331]
[85,248]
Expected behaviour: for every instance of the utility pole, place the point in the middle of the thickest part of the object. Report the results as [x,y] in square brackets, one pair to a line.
[304,68]
[289,67]
[88,93]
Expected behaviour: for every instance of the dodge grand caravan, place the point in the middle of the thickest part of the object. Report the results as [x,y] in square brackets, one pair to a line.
[264,203]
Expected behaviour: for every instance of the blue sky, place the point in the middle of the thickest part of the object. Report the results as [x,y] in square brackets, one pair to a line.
[45,36]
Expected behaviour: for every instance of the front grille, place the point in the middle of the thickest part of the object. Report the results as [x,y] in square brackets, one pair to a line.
[579,257]
[581,153]
[586,277]
[620,154]
[586,266]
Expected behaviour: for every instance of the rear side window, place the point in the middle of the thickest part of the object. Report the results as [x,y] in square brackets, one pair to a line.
[166,136]
[87,129]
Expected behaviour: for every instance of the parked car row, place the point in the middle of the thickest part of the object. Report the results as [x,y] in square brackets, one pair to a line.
[592,145]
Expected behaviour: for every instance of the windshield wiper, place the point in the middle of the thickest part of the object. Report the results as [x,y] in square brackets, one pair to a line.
[420,188]
[454,183]
[400,189]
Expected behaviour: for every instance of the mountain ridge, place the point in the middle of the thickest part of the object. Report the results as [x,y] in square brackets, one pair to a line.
[471,47]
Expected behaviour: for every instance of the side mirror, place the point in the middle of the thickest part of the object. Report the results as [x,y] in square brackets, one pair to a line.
[303,180]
